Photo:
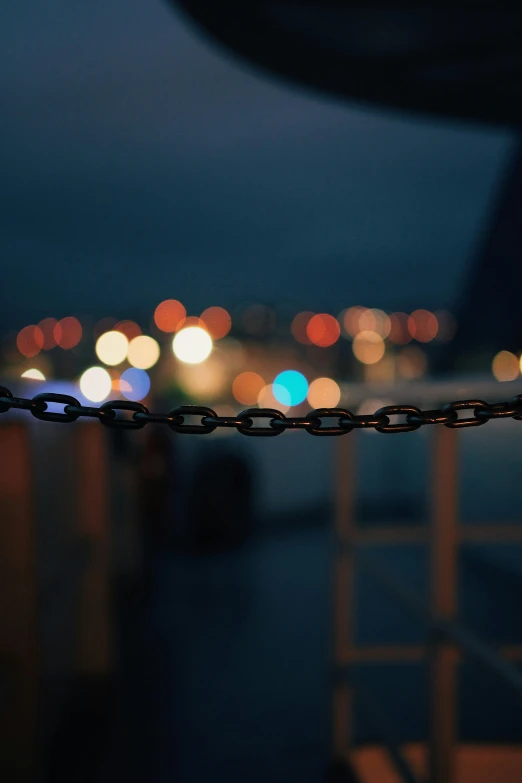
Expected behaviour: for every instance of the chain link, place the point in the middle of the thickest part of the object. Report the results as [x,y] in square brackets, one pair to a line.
[122,414]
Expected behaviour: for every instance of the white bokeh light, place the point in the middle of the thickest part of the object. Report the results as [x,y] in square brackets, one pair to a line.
[111,348]
[95,384]
[192,345]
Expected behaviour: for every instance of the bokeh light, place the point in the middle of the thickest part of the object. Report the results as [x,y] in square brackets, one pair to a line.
[267,399]
[351,320]
[298,327]
[169,315]
[290,387]
[324,393]
[246,387]
[505,366]
[68,332]
[192,345]
[47,327]
[447,326]
[134,384]
[411,363]
[375,321]
[323,330]
[129,328]
[206,381]
[34,374]
[143,352]
[104,325]
[368,347]
[399,332]
[217,321]
[258,320]
[30,340]
[95,384]
[111,348]
[423,326]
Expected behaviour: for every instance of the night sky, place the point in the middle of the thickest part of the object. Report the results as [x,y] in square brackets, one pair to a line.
[139,161]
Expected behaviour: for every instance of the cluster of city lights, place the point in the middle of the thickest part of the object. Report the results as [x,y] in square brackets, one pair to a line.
[207,364]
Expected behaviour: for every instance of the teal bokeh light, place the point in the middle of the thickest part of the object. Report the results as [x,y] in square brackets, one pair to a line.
[290,387]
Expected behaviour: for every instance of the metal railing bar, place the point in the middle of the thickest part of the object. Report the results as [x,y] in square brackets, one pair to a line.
[455,632]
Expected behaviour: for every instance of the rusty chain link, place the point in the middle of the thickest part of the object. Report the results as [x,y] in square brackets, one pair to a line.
[207,420]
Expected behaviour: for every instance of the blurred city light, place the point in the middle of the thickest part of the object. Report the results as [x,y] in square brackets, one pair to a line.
[423,326]
[217,321]
[205,381]
[111,348]
[290,387]
[323,330]
[143,352]
[375,321]
[267,398]
[447,326]
[368,347]
[324,393]
[192,345]
[95,384]
[104,325]
[246,387]
[298,327]
[34,374]
[30,341]
[351,320]
[134,384]
[411,362]
[47,327]
[258,320]
[169,315]
[505,366]
[129,328]
[399,332]
[68,332]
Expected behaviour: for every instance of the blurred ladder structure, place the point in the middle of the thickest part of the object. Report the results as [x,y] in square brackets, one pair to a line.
[448,640]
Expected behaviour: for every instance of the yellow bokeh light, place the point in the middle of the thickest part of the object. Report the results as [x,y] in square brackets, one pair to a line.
[324,393]
[143,352]
[266,399]
[192,345]
[112,347]
[34,375]
[368,347]
[506,366]
[205,381]
[95,384]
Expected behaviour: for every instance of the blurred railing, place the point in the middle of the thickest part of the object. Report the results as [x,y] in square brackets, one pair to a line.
[447,638]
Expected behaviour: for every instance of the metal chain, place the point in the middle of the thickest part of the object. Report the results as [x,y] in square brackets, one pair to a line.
[315,422]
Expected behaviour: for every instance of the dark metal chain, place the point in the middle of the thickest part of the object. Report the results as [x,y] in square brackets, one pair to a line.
[320,422]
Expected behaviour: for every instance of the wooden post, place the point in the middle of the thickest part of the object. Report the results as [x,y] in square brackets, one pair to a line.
[441,655]
[18,638]
[344,593]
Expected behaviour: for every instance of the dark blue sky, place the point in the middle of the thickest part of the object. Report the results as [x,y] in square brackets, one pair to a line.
[140,162]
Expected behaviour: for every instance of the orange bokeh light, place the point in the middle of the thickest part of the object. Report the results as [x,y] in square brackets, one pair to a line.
[246,387]
[375,321]
[351,319]
[169,315]
[129,328]
[423,325]
[191,320]
[217,322]
[47,327]
[30,340]
[298,327]
[323,330]
[399,333]
[68,332]
[368,347]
